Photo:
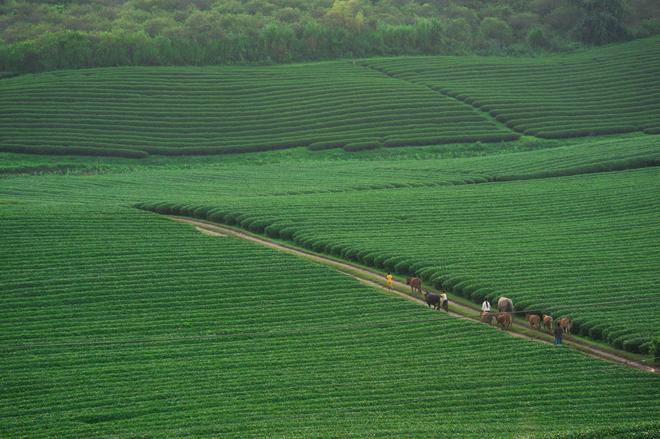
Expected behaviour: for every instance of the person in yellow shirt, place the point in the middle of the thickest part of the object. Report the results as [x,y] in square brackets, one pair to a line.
[390,280]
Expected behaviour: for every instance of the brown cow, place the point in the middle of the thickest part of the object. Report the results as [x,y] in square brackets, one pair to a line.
[547,322]
[503,320]
[504,304]
[565,323]
[534,321]
[415,284]
[486,317]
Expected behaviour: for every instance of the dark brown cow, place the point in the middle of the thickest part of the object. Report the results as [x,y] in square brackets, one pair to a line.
[547,322]
[534,321]
[415,284]
[432,299]
[503,320]
[566,324]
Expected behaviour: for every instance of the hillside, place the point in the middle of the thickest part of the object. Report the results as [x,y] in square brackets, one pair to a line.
[412,101]
[412,211]
[535,178]
[117,322]
[600,91]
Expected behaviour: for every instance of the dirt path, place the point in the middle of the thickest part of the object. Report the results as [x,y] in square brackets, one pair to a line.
[375,279]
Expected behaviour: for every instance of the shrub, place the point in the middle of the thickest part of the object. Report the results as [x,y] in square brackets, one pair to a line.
[379,260]
[362,146]
[217,216]
[635,344]
[75,150]
[273,230]
[319,146]
[350,254]
[233,218]
[402,267]
[259,225]
[201,212]
[368,259]
[318,246]
[287,233]
[536,38]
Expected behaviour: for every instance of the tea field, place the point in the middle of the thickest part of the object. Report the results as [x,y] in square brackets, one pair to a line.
[598,91]
[584,246]
[357,105]
[116,322]
[190,110]
[474,173]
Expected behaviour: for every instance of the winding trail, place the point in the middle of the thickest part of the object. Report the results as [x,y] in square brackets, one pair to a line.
[375,280]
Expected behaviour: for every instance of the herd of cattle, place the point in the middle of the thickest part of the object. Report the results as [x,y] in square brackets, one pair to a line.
[503,317]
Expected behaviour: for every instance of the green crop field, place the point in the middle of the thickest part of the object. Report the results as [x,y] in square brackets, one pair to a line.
[561,246]
[115,321]
[609,90]
[119,323]
[134,111]
[583,246]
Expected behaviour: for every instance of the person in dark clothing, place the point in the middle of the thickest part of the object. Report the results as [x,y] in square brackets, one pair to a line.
[559,333]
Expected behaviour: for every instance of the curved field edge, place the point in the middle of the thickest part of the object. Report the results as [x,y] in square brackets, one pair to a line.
[606,91]
[294,227]
[199,111]
[258,229]
[460,307]
[396,102]
[123,323]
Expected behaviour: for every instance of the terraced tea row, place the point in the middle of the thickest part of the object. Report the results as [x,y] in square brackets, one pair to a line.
[600,91]
[117,322]
[214,179]
[583,246]
[229,109]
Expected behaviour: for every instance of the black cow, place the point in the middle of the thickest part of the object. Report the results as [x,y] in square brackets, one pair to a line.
[432,299]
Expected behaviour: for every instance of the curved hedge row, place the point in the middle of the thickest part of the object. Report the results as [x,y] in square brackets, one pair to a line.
[222,337]
[190,111]
[602,91]
[73,150]
[521,262]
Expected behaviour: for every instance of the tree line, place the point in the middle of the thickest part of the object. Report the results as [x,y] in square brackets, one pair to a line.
[40,35]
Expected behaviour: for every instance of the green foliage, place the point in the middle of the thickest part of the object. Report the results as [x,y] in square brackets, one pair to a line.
[599,91]
[524,252]
[40,35]
[221,337]
[201,111]
[362,146]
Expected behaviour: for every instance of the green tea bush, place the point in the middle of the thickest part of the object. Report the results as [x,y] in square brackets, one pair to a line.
[186,316]
[362,146]
[320,146]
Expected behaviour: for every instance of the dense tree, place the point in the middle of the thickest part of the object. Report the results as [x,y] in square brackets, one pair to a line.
[602,22]
[40,35]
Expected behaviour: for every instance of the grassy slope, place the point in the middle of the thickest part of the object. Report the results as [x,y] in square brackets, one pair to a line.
[612,89]
[134,111]
[194,110]
[583,245]
[117,322]
[431,221]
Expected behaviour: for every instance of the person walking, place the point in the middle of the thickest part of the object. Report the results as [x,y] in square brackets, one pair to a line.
[485,306]
[390,280]
[444,301]
[559,333]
